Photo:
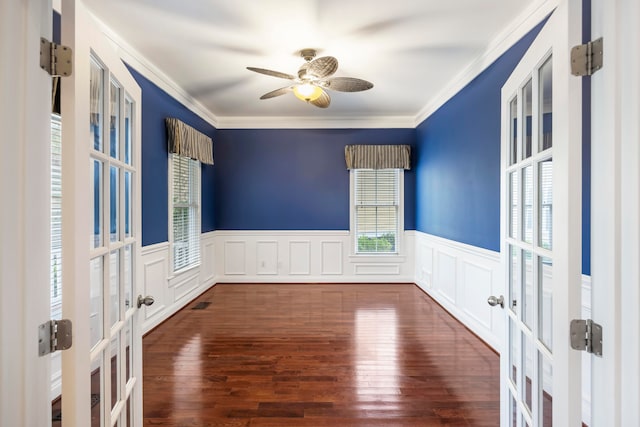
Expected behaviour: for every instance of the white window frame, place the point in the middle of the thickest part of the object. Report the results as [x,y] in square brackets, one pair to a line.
[353,226]
[195,214]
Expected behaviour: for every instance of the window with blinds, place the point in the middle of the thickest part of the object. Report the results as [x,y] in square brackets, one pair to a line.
[376,198]
[185,212]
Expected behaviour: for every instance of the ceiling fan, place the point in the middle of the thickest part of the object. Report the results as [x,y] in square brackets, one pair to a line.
[314,76]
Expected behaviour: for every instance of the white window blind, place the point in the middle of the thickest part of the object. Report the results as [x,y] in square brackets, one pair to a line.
[186,212]
[376,210]
[56,217]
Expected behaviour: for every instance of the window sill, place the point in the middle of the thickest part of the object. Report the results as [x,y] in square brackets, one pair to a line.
[377,258]
[192,269]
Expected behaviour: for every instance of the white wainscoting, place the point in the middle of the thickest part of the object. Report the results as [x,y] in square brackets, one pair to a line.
[461,278]
[173,291]
[306,256]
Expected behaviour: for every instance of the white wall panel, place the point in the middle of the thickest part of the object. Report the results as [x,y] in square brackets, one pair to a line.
[476,287]
[155,283]
[331,262]
[173,291]
[446,276]
[310,256]
[267,257]
[300,257]
[463,278]
[208,254]
[235,257]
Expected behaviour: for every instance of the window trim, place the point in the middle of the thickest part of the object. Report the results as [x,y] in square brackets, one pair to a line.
[197,264]
[352,222]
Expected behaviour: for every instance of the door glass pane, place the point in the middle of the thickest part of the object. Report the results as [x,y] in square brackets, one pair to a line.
[513,132]
[114,123]
[114,181]
[546,98]
[129,348]
[527,211]
[128,116]
[528,359]
[96,200]
[129,411]
[545,297]
[528,294]
[115,369]
[514,353]
[97,404]
[514,195]
[128,277]
[127,204]
[96,274]
[96,105]
[114,281]
[545,220]
[514,276]
[546,374]
[528,108]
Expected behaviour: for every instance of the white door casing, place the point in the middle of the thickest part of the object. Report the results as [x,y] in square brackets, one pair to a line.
[559,374]
[615,213]
[24,182]
[100,300]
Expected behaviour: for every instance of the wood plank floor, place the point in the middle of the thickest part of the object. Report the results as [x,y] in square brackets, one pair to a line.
[312,355]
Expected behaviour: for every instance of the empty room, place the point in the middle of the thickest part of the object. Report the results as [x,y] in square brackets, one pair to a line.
[320,213]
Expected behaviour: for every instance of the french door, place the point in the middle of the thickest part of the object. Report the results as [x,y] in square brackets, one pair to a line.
[541,242]
[101,373]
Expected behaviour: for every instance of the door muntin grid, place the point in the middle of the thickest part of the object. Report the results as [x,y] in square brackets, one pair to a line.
[113,245]
[528,203]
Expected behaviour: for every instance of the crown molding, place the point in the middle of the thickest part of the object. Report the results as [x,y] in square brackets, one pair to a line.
[294,122]
[154,74]
[520,26]
[500,44]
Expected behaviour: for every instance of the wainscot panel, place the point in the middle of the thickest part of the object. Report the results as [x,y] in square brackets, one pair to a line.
[307,256]
[464,277]
[172,291]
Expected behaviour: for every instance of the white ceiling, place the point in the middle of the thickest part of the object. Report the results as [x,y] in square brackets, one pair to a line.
[409,49]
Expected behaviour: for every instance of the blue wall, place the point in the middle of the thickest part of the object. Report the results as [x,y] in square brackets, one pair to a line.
[458,159]
[156,105]
[293,179]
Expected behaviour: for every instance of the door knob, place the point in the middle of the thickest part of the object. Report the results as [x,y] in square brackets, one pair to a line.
[493,301]
[148,300]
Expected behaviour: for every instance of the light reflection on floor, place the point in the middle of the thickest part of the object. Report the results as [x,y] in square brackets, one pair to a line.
[376,363]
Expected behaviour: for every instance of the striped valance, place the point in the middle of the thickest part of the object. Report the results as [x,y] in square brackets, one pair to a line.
[378,156]
[186,141]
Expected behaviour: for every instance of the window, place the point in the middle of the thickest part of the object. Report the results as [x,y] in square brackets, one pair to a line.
[56,217]
[185,218]
[376,209]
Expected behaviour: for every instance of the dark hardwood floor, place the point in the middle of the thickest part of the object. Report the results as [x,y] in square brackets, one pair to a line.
[314,355]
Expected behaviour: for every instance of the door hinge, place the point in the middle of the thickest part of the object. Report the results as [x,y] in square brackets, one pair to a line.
[54,335]
[586,335]
[586,58]
[54,58]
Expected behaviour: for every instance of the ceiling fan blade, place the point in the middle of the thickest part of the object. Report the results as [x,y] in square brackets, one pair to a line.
[323,67]
[271,73]
[276,92]
[323,101]
[347,84]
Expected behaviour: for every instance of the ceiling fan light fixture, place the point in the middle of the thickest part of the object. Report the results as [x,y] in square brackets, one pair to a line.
[307,92]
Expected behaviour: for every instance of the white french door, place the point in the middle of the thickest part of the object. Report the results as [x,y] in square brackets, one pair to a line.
[101,373]
[541,242]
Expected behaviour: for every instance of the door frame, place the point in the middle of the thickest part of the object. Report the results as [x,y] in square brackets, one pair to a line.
[615,213]
[24,186]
